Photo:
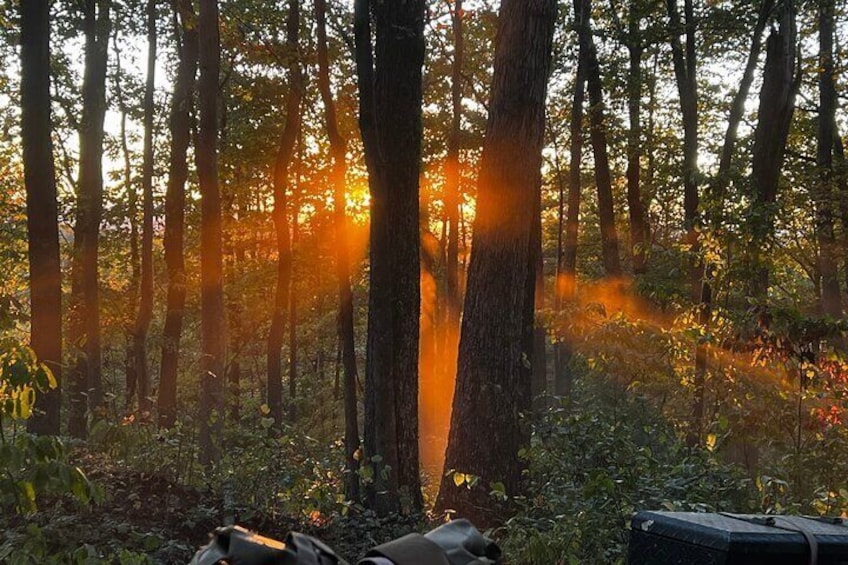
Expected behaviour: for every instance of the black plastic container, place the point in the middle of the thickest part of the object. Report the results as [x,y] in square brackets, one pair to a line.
[690,538]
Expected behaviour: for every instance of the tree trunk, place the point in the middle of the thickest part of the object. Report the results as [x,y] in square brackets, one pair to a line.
[180,122]
[280,214]
[453,304]
[84,328]
[639,228]
[825,193]
[347,344]
[567,277]
[603,178]
[45,277]
[777,104]
[390,121]
[841,173]
[685,64]
[717,197]
[145,307]
[293,352]
[539,382]
[492,387]
[213,326]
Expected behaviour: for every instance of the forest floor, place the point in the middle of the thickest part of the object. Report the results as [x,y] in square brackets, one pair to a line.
[143,514]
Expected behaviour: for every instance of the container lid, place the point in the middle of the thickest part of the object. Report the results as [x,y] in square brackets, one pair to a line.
[746,533]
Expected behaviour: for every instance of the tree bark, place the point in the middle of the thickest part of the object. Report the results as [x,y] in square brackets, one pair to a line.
[777,104]
[291,130]
[825,193]
[180,122]
[495,358]
[598,135]
[45,277]
[145,307]
[84,328]
[347,344]
[213,326]
[390,121]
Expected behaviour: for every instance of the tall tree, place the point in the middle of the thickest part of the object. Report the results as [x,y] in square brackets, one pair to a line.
[825,193]
[453,305]
[285,153]
[180,123]
[390,95]
[567,269]
[213,330]
[640,237]
[777,104]
[84,329]
[145,305]
[45,277]
[293,296]
[598,136]
[492,387]
[684,60]
[715,210]
[347,345]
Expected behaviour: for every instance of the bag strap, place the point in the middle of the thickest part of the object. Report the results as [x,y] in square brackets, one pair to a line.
[787,523]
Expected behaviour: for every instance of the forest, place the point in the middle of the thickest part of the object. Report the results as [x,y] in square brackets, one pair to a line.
[357,268]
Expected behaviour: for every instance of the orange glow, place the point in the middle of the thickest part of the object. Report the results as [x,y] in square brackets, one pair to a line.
[437,368]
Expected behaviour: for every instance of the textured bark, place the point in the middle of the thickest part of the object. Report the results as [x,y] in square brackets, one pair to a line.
[685,66]
[180,123]
[145,306]
[213,328]
[825,193]
[45,277]
[492,387]
[777,104]
[567,276]
[285,153]
[390,120]
[84,327]
[347,345]
[639,227]
[598,136]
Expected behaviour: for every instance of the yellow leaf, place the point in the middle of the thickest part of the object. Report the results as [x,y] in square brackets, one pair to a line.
[458,479]
[711,442]
[265,409]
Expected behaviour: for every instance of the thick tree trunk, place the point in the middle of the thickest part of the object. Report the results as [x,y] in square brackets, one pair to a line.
[280,214]
[841,173]
[180,122]
[825,193]
[603,178]
[347,344]
[45,277]
[492,387]
[685,65]
[84,328]
[639,228]
[213,327]
[145,307]
[777,104]
[390,121]
[567,277]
